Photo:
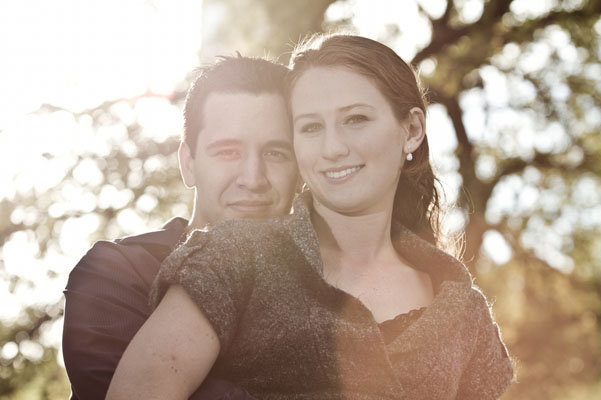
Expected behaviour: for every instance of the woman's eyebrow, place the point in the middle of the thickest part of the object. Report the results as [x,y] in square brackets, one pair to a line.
[354,105]
[341,109]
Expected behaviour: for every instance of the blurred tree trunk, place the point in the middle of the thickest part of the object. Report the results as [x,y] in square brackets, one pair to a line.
[252,27]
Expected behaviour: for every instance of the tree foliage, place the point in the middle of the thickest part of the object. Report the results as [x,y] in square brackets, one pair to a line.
[521,89]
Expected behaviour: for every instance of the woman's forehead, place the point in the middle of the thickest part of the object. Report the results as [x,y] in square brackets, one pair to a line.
[321,88]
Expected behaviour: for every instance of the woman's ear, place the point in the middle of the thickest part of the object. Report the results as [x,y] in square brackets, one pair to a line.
[186,163]
[416,130]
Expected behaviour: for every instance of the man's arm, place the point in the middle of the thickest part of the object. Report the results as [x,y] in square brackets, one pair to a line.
[105,306]
[170,355]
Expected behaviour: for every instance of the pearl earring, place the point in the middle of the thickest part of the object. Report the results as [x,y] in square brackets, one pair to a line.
[409,157]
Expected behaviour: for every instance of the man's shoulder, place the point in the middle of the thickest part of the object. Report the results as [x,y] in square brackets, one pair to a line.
[159,243]
[138,255]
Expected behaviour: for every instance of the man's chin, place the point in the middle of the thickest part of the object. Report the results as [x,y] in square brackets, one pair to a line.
[255,213]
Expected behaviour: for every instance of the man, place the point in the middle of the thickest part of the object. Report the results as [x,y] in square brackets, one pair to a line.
[236,152]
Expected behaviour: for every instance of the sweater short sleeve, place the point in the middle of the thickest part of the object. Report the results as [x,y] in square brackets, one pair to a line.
[215,268]
[489,371]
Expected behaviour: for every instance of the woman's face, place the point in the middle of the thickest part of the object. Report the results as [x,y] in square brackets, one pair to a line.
[349,145]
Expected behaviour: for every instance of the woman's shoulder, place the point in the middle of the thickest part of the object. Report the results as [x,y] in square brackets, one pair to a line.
[479,301]
[252,235]
[232,248]
[483,317]
[240,236]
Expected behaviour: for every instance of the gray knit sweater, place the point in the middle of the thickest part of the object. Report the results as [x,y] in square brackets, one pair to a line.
[287,334]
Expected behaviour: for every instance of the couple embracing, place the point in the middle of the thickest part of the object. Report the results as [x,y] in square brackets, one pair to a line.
[347,295]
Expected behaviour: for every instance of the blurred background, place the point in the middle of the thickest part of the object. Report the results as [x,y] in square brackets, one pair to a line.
[90,116]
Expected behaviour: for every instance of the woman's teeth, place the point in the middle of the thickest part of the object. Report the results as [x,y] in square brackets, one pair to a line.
[341,174]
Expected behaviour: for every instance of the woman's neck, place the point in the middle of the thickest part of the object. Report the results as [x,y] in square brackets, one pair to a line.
[353,241]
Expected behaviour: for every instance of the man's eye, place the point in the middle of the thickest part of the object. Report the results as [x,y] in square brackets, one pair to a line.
[356,119]
[227,153]
[277,155]
[310,128]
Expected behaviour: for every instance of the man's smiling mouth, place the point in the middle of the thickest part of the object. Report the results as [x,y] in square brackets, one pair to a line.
[251,203]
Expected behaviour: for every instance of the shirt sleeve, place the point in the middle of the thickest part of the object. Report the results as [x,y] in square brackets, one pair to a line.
[489,371]
[216,269]
[105,305]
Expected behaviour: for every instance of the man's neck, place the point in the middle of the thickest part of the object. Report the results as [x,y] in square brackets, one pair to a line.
[196,222]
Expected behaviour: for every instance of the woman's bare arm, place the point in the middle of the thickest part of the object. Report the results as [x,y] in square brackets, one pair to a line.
[170,355]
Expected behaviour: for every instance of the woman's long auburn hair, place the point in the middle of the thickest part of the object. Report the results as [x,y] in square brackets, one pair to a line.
[416,202]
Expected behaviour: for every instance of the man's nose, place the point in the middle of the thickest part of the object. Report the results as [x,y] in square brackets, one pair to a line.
[333,146]
[252,174]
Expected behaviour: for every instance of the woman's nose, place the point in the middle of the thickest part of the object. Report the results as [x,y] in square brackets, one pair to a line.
[334,145]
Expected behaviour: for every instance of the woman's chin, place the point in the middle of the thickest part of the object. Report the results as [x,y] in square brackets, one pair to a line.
[344,205]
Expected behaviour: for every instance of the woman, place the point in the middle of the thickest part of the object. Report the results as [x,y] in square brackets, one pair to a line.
[346,298]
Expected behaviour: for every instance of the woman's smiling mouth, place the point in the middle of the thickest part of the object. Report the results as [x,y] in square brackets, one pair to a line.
[341,174]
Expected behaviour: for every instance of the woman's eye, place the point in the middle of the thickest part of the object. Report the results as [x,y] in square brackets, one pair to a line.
[310,128]
[356,119]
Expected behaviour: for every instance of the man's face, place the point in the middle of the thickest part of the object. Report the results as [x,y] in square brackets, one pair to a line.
[243,165]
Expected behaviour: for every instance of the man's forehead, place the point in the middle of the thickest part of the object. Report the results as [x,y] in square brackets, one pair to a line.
[245,119]
[241,100]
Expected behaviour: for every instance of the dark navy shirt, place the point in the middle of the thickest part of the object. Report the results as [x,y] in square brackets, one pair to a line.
[107,302]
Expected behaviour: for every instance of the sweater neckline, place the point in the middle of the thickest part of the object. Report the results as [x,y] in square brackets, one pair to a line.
[453,279]
[421,254]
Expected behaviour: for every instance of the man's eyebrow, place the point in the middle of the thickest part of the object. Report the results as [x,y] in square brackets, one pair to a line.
[280,144]
[222,143]
[308,115]
[341,109]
